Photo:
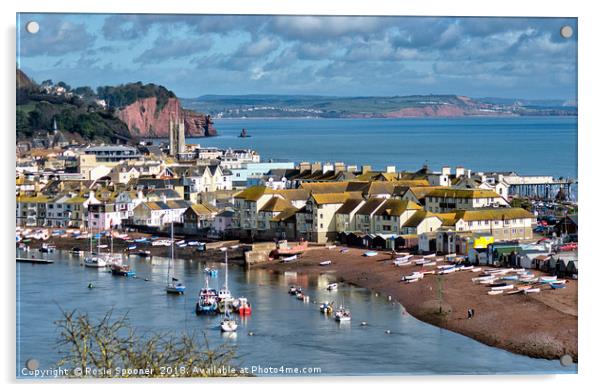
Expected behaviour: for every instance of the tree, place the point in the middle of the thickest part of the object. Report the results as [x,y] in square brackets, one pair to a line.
[23,128]
[111,343]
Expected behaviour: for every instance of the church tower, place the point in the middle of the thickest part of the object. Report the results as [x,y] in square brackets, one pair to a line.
[177,136]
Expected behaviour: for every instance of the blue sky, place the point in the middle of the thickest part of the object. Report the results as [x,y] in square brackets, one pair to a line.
[347,56]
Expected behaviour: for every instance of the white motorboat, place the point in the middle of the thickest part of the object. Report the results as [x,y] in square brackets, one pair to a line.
[332,287]
[326,262]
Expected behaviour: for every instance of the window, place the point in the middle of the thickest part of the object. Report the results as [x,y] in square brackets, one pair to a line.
[321,225]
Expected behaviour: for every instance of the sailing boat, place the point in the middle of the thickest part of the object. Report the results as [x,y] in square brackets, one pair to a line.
[224,296]
[228,324]
[113,258]
[173,285]
[95,260]
[342,314]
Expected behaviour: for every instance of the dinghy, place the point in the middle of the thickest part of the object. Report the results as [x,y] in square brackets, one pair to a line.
[370,253]
[289,259]
[495,292]
[326,262]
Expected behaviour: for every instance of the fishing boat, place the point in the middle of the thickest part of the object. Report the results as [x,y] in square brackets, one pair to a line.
[370,253]
[228,324]
[342,315]
[174,286]
[207,300]
[326,262]
[557,286]
[242,306]
[122,270]
[332,287]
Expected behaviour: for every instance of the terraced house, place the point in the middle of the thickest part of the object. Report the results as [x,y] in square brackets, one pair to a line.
[316,222]
[502,223]
[450,199]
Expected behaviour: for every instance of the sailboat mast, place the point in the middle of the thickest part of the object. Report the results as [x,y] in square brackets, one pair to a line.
[171,259]
[226,270]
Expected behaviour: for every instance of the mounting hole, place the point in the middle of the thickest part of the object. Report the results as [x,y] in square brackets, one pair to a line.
[566,360]
[32,364]
[32,27]
[566,31]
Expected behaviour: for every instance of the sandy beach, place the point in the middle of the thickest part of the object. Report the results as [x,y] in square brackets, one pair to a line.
[541,325]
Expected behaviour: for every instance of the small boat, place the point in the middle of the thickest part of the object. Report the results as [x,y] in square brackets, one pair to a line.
[399,263]
[228,324]
[294,289]
[502,288]
[76,251]
[300,296]
[370,253]
[477,269]
[132,247]
[429,264]
[330,247]
[242,306]
[411,280]
[95,261]
[557,286]
[34,260]
[447,271]
[511,277]
[342,315]
[210,271]
[332,287]
[326,307]
[143,253]
[546,279]
[495,292]
[207,300]
[244,133]
[326,262]
[122,270]
[466,267]
[413,275]
[532,290]
[173,285]
[289,259]
[344,250]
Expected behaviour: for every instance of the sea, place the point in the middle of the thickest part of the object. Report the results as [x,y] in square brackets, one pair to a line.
[281,335]
[526,145]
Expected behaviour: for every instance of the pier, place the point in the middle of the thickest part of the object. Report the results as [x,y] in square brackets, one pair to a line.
[540,187]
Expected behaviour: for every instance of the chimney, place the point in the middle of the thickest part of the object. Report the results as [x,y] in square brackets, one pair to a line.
[316,166]
[468,173]
[352,168]
[366,169]
[459,171]
[304,166]
[339,167]
[327,167]
[446,170]
[390,169]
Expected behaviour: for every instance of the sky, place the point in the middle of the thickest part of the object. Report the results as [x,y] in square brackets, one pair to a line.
[194,55]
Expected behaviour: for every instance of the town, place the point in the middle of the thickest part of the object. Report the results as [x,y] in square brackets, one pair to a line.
[215,194]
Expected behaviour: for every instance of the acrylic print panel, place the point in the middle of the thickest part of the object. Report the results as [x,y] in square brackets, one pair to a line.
[295,195]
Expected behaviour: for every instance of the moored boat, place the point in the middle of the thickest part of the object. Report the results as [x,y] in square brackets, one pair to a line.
[342,315]
[326,262]
[332,287]
[122,270]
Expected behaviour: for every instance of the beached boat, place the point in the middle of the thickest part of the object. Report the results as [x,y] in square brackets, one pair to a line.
[429,264]
[413,275]
[344,250]
[532,290]
[332,287]
[326,262]
[330,247]
[557,286]
[447,271]
[547,279]
[502,288]
[495,292]
[370,253]
[289,259]
[284,250]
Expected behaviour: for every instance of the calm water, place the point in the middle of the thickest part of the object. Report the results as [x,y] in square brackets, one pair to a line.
[287,332]
[529,145]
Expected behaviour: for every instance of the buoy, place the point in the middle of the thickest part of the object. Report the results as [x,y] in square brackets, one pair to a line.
[388,331]
[364,323]
[90,285]
[146,279]
[251,333]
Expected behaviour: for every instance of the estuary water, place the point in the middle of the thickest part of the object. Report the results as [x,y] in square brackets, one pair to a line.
[527,145]
[287,332]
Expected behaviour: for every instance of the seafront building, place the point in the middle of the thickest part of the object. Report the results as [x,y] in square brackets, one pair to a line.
[216,193]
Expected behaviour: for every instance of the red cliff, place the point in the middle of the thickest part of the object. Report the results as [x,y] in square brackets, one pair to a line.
[145,119]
